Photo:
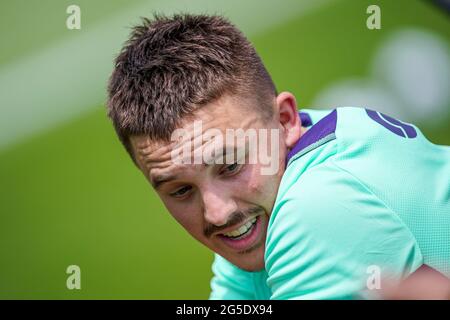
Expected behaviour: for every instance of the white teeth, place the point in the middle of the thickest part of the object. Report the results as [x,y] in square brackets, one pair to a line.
[241,230]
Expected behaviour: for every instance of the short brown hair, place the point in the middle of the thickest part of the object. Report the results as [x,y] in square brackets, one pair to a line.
[169,67]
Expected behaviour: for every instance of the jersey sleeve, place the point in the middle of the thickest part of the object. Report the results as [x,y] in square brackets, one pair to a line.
[328,233]
[230,282]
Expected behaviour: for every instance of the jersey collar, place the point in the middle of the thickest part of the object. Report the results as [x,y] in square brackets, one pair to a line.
[318,134]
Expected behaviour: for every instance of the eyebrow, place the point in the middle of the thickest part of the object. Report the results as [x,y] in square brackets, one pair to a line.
[227,150]
[158,180]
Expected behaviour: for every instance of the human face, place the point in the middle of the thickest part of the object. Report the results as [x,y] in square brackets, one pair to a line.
[226,206]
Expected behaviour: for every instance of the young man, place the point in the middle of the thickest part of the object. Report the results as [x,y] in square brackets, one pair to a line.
[346,196]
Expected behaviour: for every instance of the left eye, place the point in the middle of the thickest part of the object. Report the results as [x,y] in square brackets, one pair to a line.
[181,192]
[231,168]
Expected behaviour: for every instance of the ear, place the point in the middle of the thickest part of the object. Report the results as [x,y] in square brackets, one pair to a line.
[288,117]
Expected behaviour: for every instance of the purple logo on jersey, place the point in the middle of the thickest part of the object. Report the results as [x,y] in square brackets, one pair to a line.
[399,128]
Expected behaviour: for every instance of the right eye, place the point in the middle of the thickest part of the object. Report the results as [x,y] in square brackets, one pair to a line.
[181,192]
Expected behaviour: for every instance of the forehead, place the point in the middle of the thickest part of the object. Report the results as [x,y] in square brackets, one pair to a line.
[155,157]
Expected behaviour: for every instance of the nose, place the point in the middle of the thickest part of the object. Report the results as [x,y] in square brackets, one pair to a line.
[218,207]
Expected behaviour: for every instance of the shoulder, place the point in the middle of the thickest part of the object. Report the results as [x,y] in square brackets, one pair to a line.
[326,230]
[328,198]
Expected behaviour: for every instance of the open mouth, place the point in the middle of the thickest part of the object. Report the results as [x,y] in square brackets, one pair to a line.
[244,236]
[242,231]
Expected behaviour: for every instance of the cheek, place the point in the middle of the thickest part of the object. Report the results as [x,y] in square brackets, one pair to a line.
[264,189]
[256,185]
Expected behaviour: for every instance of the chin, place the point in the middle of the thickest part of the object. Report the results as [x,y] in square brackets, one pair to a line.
[250,261]
[247,253]
[253,267]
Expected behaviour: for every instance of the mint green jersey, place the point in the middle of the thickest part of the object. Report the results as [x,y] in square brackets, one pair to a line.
[363,195]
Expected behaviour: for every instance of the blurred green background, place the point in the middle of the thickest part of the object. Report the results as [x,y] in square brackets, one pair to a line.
[70,195]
